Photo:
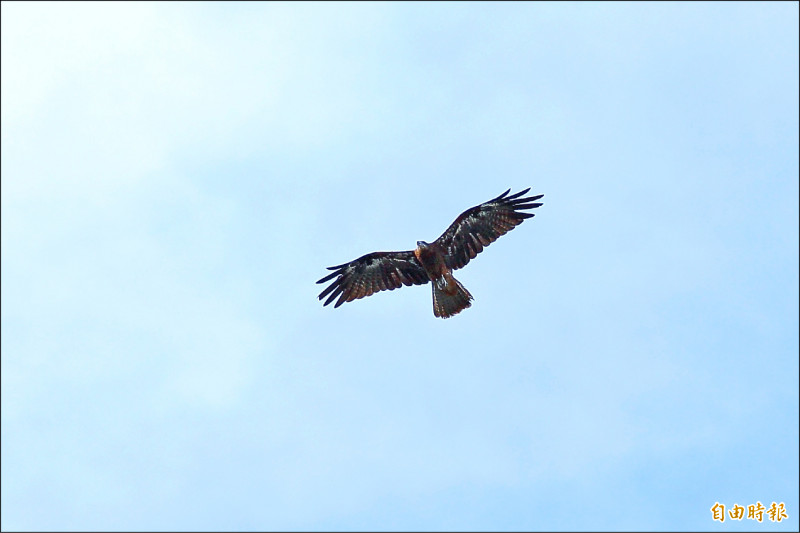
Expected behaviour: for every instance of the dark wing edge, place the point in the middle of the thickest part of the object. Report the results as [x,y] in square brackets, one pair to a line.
[371,273]
[478,227]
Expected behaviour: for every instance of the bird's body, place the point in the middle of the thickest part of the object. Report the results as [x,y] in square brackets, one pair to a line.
[471,232]
[449,296]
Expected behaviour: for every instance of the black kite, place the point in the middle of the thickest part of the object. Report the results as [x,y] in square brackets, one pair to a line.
[471,232]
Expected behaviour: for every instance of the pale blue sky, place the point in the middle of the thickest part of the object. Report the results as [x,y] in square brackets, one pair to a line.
[175,178]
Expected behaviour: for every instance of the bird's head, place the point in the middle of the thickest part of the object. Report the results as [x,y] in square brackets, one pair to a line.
[422,244]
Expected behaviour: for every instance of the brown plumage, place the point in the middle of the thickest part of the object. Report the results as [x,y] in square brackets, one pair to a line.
[472,231]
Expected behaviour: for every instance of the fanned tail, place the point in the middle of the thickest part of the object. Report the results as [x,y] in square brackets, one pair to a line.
[449,297]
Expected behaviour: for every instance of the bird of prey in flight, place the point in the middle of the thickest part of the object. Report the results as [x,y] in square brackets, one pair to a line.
[471,232]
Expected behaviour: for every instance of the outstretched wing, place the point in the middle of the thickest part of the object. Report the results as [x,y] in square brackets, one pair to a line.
[371,273]
[478,227]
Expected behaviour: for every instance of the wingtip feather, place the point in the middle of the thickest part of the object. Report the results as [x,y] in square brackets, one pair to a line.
[328,277]
[501,196]
[517,195]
